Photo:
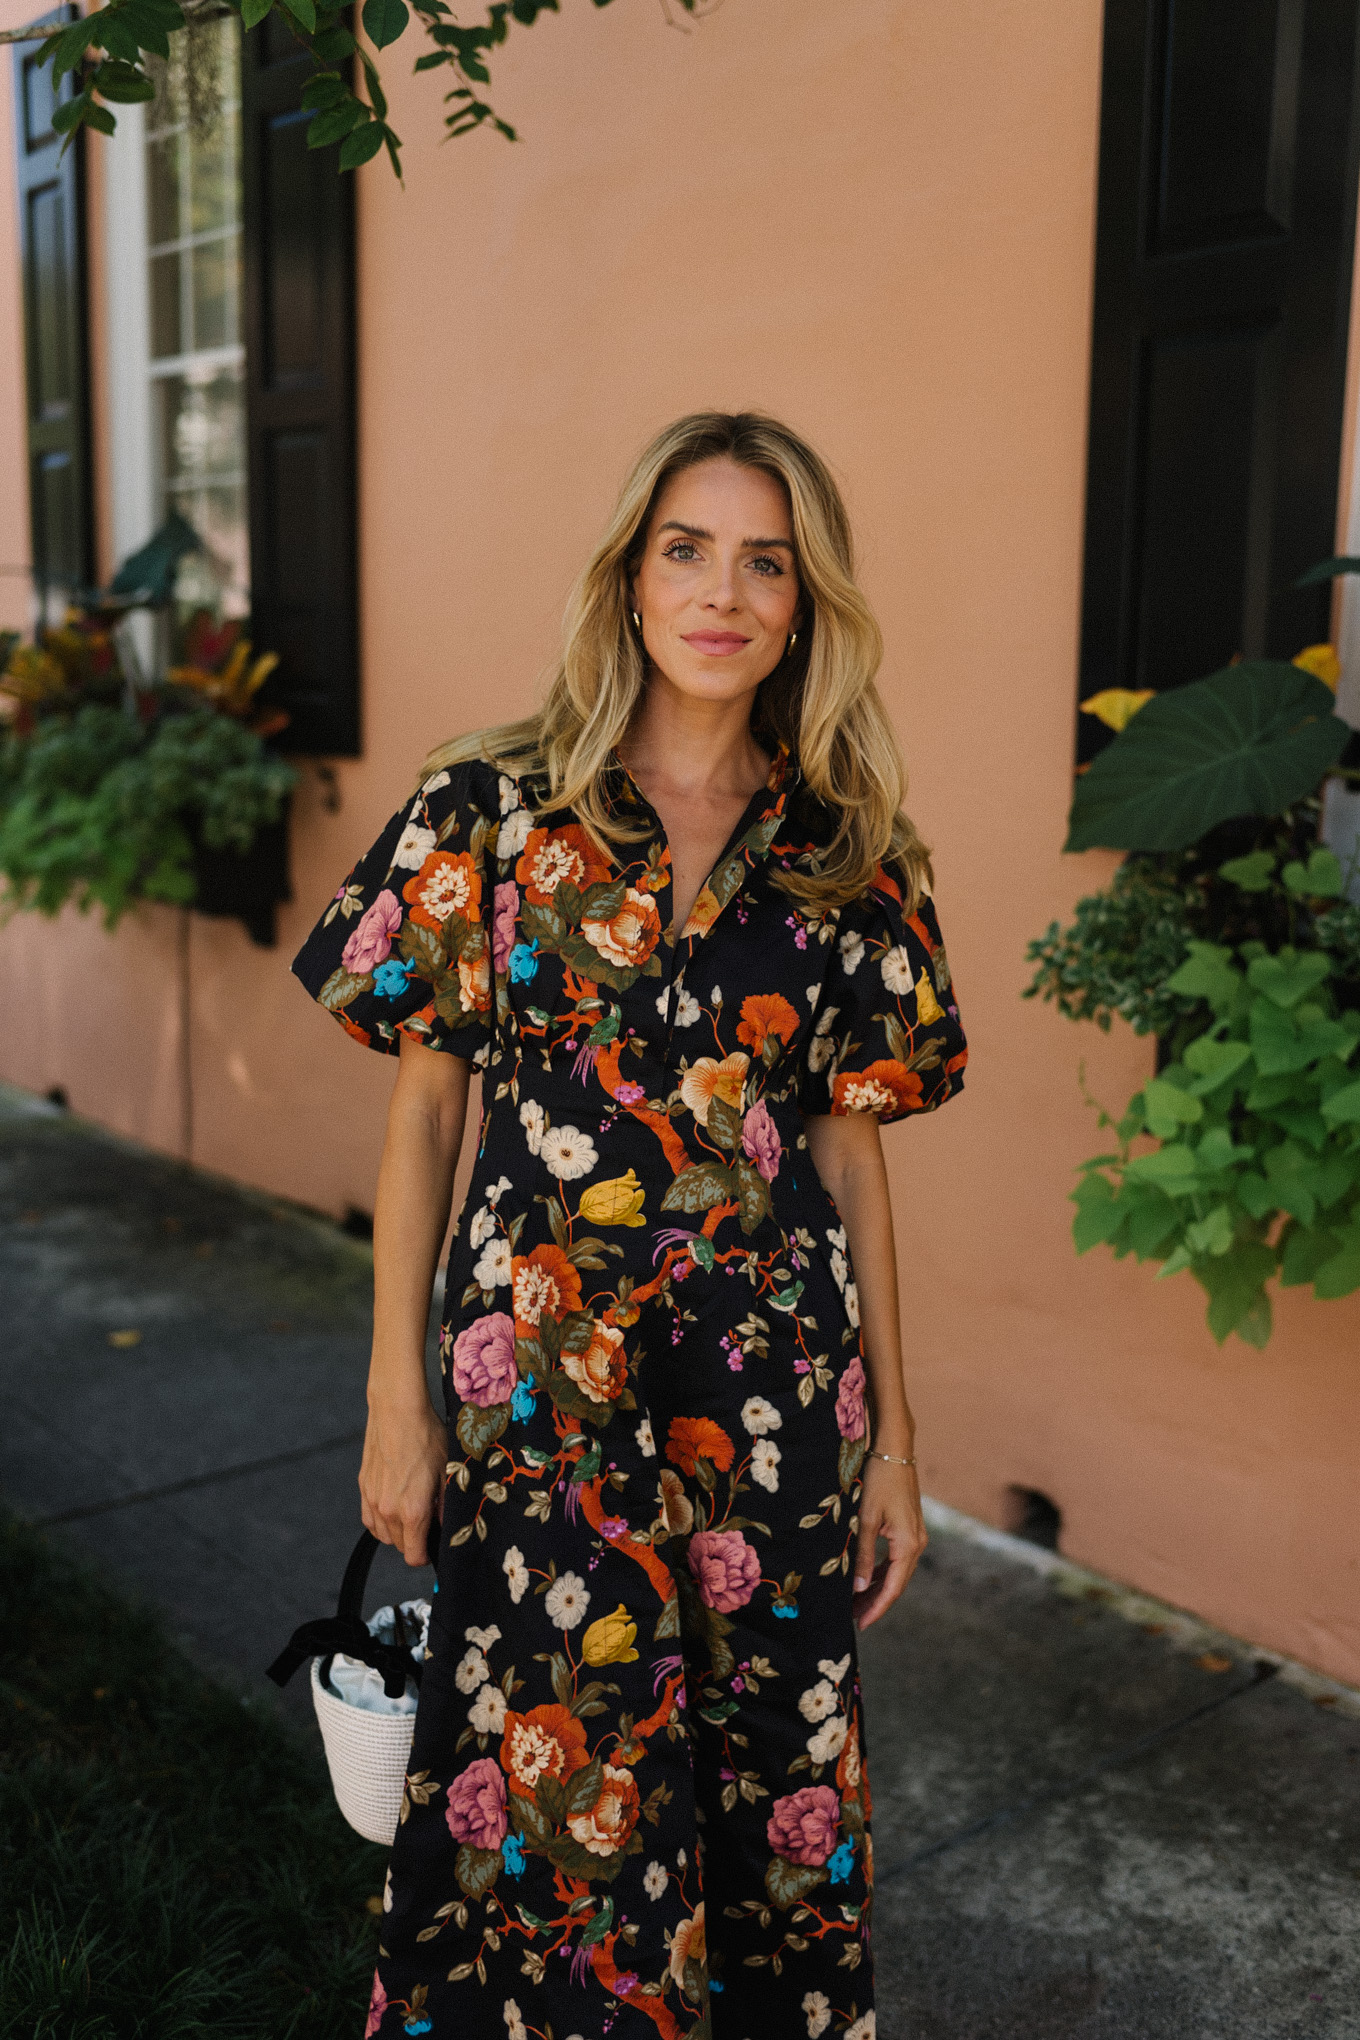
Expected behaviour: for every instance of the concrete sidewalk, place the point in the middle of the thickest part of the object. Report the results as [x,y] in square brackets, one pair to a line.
[1084,1831]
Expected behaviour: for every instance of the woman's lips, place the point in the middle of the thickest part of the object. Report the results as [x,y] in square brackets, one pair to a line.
[715,642]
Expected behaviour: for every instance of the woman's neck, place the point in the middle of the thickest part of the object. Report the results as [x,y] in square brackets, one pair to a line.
[677,746]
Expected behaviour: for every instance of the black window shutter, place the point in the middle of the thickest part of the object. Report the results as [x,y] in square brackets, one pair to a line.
[299,324]
[52,243]
[1226,225]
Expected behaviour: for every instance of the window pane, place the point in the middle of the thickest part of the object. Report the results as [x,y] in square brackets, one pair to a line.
[162,188]
[214,186]
[166,334]
[202,445]
[215,274]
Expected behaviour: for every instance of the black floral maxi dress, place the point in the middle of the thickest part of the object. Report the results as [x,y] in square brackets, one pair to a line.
[637,1804]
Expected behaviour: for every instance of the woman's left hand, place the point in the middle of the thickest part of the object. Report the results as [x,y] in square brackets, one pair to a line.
[890,1508]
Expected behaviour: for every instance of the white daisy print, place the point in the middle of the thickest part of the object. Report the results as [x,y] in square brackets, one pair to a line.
[531,1118]
[655,1879]
[497,1191]
[834,1669]
[852,1304]
[826,1745]
[433,785]
[516,1572]
[646,1443]
[567,1152]
[513,832]
[494,1265]
[863,2029]
[852,952]
[765,1456]
[566,1600]
[839,1270]
[510,2012]
[472,1671]
[818,1701]
[413,847]
[760,1416]
[509,793]
[484,1638]
[817,2008]
[487,1712]
[814,992]
[896,969]
[481,1228]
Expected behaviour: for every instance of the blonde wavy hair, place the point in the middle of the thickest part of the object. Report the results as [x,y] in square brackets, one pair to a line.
[821,702]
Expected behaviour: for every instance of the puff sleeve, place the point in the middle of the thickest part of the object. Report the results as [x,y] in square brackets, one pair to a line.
[886,1036]
[404,947]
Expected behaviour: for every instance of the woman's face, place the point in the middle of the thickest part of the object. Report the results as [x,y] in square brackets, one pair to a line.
[716,589]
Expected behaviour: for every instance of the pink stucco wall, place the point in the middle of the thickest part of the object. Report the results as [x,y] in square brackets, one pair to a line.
[876,221]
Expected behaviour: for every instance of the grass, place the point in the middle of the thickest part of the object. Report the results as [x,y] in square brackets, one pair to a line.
[171,1859]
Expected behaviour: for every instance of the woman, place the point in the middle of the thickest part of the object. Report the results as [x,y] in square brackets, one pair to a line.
[678,923]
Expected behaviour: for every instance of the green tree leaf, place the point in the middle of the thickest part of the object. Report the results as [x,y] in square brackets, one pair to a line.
[1289,977]
[1169,1108]
[303,12]
[1343,1107]
[384,21]
[1249,740]
[1253,872]
[361,144]
[1320,878]
[1235,1283]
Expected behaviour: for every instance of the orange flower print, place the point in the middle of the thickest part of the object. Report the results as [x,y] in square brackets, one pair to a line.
[547,1742]
[630,937]
[885,1087]
[552,855]
[602,1370]
[763,1014]
[446,883]
[691,1438]
[542,1283]
[474,981]
[708,1079]
[610,1821]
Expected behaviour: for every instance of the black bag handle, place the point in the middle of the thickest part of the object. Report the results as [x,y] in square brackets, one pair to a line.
[346,1631]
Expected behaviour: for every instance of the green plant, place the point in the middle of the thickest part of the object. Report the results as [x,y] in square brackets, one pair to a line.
[103,808]
[1257,1119]
[1226,934]
[108,47]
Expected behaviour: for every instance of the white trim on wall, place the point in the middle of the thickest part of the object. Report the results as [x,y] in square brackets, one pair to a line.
[127,308]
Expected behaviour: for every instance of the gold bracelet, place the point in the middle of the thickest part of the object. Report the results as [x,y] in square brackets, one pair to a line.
[890,1459]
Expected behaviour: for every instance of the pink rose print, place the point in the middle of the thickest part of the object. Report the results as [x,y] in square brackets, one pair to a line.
[371,942]
[504,917]
[850,1400]
[484,1361]
[726,1567]
[476,1809]
[802,1827]
[760,1140]
[377,2005]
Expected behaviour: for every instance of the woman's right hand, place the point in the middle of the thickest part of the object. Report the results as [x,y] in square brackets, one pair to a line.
[406,1450]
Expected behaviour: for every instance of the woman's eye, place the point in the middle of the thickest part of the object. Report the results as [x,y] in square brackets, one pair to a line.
[681,549]
[766,564]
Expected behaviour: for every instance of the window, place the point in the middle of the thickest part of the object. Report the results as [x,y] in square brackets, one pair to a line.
[177,351]
[1225,235]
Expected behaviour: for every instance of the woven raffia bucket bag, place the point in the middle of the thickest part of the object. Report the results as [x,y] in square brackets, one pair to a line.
[367,1753]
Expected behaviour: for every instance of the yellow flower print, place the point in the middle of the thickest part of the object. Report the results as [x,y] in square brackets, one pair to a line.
[707,1079]
[1321,661]
[617,1202]
[928,1007]
[610,1640]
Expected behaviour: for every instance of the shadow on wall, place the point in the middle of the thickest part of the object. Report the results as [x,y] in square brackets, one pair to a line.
[1031,1514]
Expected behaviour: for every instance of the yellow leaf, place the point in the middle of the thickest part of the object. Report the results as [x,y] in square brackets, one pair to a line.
[1117,706]
[129,1338]
[1321,661]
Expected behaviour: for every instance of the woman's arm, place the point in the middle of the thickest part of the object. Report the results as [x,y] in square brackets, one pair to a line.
[848,1157]
[406,1444]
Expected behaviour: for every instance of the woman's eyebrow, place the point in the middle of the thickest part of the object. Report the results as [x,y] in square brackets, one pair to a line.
[748,544]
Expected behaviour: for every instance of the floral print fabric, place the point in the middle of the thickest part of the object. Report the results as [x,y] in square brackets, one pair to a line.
[637,1803]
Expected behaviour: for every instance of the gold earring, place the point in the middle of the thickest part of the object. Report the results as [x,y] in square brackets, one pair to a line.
[637,623]
[793,639]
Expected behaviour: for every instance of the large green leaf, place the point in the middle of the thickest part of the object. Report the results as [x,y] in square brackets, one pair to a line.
[1247,741]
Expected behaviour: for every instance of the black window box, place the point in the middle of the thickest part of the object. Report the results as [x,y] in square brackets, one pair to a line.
[248,886]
